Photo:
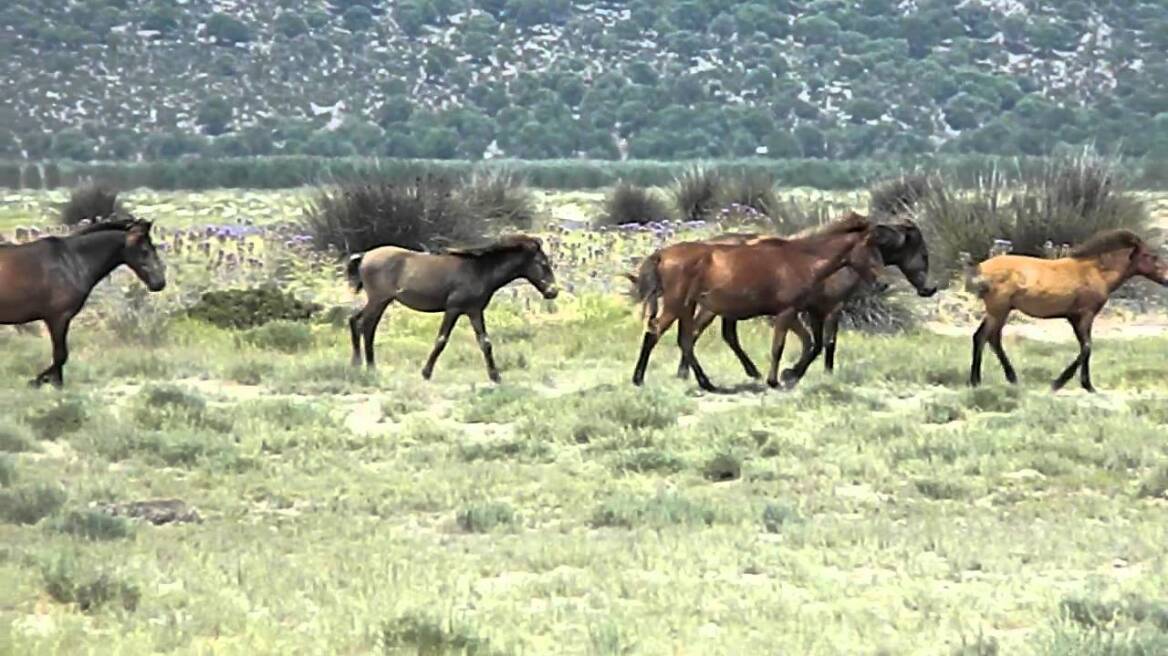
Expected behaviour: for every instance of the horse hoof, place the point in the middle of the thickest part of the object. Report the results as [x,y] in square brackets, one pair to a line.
[496,378]
[35,383]
[773,383]
[426,374]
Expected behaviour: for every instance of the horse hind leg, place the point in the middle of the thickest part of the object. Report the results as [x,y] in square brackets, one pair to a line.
[812,346]
[653,334]
[995,340]
[371,316]
[686,328]
[703,321]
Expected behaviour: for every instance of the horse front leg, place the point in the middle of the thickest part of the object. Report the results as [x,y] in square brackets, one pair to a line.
[1081,324]
[355,334]
[448,321]
[730,336]
[830,330]
[778,341]
[812,346]
[480,330]
[59,334]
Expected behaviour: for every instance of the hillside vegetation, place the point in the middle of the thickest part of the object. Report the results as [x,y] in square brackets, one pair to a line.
[531,79]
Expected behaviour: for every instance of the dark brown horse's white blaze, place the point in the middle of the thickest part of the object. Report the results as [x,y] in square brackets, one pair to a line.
[765,276]
[1074,288]
[50,279]
[456,282]
[901,245]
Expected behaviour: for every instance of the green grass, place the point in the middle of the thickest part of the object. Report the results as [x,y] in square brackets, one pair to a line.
[886,509]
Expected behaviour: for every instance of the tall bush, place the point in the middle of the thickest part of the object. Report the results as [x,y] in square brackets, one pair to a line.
[93,202]
[500,196]
[630,203]
[358,215]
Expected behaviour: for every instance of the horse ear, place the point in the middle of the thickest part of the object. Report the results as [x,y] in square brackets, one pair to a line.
[534,244]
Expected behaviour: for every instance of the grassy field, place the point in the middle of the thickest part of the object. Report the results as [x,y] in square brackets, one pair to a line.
[885,510]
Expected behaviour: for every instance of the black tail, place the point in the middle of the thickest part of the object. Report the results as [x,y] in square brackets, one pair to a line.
[647,287]
[353,271]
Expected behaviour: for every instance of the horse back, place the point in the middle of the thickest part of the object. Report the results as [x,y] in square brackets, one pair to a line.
[1040,287]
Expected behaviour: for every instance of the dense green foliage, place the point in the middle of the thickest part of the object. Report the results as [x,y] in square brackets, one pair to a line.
[247,308]
[667,79]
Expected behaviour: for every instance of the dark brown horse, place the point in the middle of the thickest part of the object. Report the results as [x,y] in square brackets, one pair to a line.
[50,279]
[1074,288]
[767,276]
[901,245]
[458,281]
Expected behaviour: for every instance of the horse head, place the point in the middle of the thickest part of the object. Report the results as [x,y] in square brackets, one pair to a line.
[903,245]
[142,257]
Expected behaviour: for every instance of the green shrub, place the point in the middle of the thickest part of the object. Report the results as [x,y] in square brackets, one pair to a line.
[527,450]
[92,525]
[648,460]
[898,196]
[776,516]
[67,583]
[940,489]
[68,415]
[7,470]
[1067,202]
[723,467]
[419,633]
[877,311]
[485,517]
[993,398]
[664,509]
[500,197]
[248,308]
[167,406]
[752,192]
[30,504]
[629,203]
[499,403]
[696,193]
[1155,484]
[280,335]
[363,214]
[92,202]
[15,438]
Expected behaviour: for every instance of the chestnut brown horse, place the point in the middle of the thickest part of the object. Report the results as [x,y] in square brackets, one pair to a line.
[1074,288]
[457,281]
[901,245]
[766,276]
[50,279]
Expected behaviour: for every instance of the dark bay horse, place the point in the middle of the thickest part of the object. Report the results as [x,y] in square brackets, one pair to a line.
[457,281]
[51,278]
[766,276]
[1074,288]
[901,245]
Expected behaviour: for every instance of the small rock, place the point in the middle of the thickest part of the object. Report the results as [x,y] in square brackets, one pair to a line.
[1024,475]
[155,511]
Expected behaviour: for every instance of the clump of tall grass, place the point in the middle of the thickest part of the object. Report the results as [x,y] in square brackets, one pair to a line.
[696,193]
[361,214]
[499,196]
[630,203]
[90,202]
[1068,201]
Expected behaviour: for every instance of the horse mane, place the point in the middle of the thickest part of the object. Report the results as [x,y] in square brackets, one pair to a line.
[850,222]
[110,224]
[503,245]
[1106,242]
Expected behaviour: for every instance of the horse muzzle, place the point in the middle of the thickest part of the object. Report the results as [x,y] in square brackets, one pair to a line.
[551,292]
[156,285]
[926,292]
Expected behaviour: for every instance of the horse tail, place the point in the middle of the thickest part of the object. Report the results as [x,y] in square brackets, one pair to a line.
[647,288]
[353,271]
[975,283]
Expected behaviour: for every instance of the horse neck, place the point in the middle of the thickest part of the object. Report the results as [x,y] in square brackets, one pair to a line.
[825,265]
[1114,268]
[498,269]
[96,254]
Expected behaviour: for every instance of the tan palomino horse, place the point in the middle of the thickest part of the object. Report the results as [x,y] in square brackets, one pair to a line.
[1074,288]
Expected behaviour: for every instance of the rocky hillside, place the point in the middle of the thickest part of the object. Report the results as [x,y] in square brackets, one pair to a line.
[119,79]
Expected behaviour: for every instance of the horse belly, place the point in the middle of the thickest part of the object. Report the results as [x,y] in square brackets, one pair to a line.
[421,301]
